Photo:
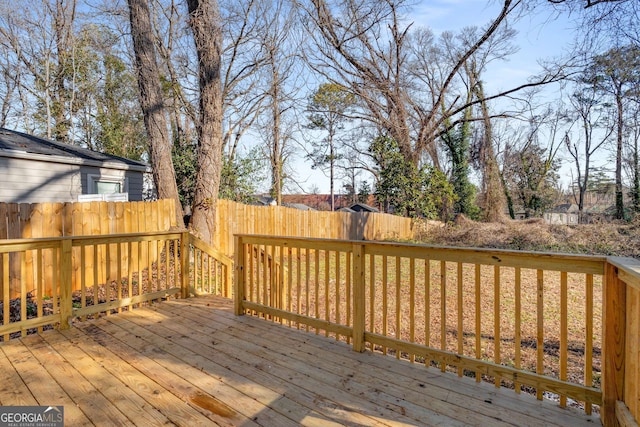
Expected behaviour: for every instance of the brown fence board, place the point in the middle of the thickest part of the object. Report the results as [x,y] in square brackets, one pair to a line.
[100,218]
[236,218]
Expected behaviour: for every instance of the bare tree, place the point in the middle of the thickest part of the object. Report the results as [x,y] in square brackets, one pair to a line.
[9,78]
[632,155]
[40,43]
[615,74]
[280,76]
[530,162]
[243,59]
[586,4]
[152,103]
[408,89]
[591,116]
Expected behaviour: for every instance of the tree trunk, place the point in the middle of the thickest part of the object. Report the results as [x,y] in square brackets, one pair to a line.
[331,167]
[276,159]
[152,104]
[636,179]
[493,197]
[204,20]
[620,124]
[276,149]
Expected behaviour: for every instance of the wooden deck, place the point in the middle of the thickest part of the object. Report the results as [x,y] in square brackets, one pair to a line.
[192,362]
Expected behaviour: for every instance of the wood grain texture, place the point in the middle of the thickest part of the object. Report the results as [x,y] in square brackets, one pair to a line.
[192,362]
[613,357]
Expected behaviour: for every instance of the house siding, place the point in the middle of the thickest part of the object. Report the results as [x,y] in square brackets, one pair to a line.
[35,181]
[32,181]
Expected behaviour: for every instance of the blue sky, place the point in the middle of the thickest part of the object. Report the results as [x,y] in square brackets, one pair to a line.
[540,35]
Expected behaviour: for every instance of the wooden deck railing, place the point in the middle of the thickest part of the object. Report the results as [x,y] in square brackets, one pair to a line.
[557,325]
[529,321]
[49,281]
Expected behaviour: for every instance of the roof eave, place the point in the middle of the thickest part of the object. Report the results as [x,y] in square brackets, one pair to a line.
[111,164]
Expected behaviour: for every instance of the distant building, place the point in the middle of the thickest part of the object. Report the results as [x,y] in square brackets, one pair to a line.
[322,202]
[298,206]
[347,210]
[36,170]
[565,214]
[361,207]
[264,201]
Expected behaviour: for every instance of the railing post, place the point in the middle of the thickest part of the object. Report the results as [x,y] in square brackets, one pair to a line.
[358,297]
[66,301]
[185,264]
[613,344]
[238,296]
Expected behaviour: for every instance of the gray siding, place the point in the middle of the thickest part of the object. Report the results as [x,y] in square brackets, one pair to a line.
[32,181]
[35,181]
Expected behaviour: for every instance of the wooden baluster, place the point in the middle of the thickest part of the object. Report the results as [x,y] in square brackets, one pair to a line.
[563,332]
[496,319]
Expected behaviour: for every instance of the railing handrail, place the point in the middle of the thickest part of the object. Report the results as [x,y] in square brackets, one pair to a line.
[101,239]
[552,261]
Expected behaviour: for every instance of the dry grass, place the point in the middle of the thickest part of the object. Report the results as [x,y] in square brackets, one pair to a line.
[619,239]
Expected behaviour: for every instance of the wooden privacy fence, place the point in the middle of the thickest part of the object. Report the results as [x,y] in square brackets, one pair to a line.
[37,220]
[25,220]
[236,218]
[139,267]
[529,321]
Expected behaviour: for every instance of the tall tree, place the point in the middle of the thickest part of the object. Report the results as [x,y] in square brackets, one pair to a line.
[152,103]
[280,73]
[616,73]
[633,156]
[328,107]
[457,143]
[492,195]
[204,20]
[593,118]
[528,154]
[243,60]
[533,176]
[40,39]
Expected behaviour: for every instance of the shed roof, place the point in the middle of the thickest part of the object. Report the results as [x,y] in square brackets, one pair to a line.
[300,206]
[362,207]
[564,208]
[21,145]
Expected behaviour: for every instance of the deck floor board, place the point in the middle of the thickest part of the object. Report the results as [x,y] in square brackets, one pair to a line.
[192,362]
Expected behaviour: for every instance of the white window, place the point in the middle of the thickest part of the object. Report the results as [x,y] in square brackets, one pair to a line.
[102,184]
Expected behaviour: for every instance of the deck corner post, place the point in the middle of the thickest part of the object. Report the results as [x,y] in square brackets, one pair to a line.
[66,300]
[358,296]
[613,346]
[238,295]
[228,280]
[184,264]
